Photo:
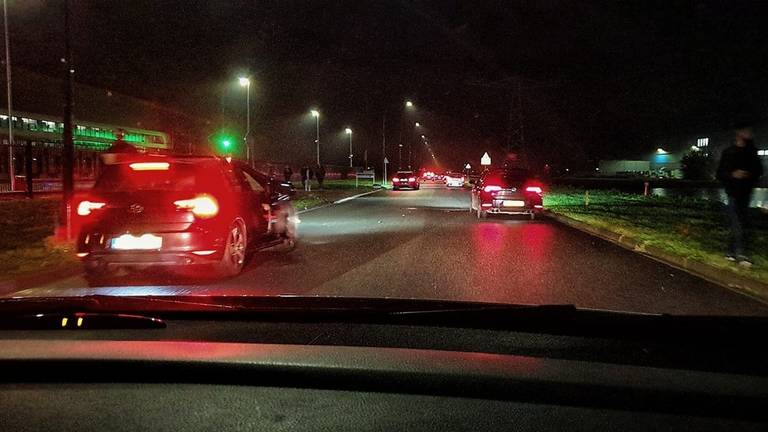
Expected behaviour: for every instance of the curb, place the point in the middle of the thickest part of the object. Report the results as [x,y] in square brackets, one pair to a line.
[751,288]
[349,198]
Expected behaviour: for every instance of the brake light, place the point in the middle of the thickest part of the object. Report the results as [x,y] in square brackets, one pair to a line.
[534,189]
[202,206]
[395,180]
[492,188]
[149,166]
[86,207]
[411,179]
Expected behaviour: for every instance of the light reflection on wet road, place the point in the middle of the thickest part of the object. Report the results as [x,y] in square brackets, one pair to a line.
[425,244]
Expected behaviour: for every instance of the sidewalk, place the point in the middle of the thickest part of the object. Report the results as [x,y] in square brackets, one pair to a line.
[686,234]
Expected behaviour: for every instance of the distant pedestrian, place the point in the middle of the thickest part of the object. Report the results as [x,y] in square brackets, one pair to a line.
[739,170]
[287,173]
[306,177]
[120,145]
[320,174]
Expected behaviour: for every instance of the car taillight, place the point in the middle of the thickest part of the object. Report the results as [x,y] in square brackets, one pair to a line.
[492,188]
[395,180]
[411,179]
[202,206]
[86,207]
[534,189]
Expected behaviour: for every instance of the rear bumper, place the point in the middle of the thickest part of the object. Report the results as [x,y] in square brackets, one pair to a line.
[530,205]
[178,248]
[406,186]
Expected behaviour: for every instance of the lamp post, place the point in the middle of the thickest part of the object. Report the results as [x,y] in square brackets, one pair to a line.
[349,132]
[246,82]
[316,115]
[11,173]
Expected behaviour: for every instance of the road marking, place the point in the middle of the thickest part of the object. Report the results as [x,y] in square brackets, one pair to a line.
[339,201]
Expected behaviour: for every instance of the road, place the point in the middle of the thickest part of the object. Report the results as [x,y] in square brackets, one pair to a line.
[425,244]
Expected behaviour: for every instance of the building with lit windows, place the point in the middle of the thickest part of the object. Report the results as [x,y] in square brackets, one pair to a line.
[44,134]
[98,114]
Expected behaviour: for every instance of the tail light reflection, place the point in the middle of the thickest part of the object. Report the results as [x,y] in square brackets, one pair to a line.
[86,207]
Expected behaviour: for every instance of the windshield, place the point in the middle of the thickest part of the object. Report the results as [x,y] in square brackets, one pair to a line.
[606,155]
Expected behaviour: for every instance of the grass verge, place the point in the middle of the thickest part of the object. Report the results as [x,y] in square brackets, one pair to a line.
[26,238]
[691,228]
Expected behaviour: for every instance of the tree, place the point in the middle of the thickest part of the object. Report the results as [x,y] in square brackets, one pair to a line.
[697,165]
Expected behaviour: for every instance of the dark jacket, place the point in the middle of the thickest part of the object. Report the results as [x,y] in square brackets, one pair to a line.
[739,158]
[120,146]
[320,172]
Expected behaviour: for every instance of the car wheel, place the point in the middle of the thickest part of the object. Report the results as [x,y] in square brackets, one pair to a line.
[286,227]
[233,258]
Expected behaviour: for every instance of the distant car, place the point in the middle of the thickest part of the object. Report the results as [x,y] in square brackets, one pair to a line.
[147,211]
[405,180]
[507,191]
[454,180]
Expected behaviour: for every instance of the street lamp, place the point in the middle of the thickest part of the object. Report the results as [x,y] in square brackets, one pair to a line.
[417,124]
[246,82]
[349,132]
[316,115]
[409,104]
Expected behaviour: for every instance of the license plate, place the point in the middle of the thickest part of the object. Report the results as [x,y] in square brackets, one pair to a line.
[513,203]
[132,242]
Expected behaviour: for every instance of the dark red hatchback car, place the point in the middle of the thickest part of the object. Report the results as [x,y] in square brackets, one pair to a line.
[147,211]
[507,191]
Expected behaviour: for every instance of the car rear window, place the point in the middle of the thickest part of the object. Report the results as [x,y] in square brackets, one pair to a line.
[508,177]
[177,177]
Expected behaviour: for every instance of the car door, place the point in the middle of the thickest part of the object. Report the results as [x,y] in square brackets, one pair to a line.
[257,207]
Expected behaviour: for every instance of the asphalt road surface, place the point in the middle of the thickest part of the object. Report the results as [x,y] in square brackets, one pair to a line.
[425,244]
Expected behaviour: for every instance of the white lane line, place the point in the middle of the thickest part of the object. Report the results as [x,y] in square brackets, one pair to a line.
[339,201]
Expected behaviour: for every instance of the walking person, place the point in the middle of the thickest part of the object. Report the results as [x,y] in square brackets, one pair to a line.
[287,173]
[739,170]
[320,174]
[304,171]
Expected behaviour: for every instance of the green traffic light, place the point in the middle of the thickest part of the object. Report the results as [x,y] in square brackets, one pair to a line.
[226,143]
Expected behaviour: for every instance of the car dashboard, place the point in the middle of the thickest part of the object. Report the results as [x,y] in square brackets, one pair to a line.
[234,375]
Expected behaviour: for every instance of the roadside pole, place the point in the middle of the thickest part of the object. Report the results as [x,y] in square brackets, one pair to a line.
[67,182]
[384,148]
[384,179]
[11,170]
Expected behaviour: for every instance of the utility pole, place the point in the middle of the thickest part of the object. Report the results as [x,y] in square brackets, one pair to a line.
[67,180]
[384,148]
[11,170]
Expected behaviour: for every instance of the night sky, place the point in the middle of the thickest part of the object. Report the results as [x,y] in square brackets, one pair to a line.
[598,79]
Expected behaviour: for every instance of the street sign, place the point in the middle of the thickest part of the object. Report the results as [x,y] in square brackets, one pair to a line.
[468,166]
[386,161]
[485,160]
